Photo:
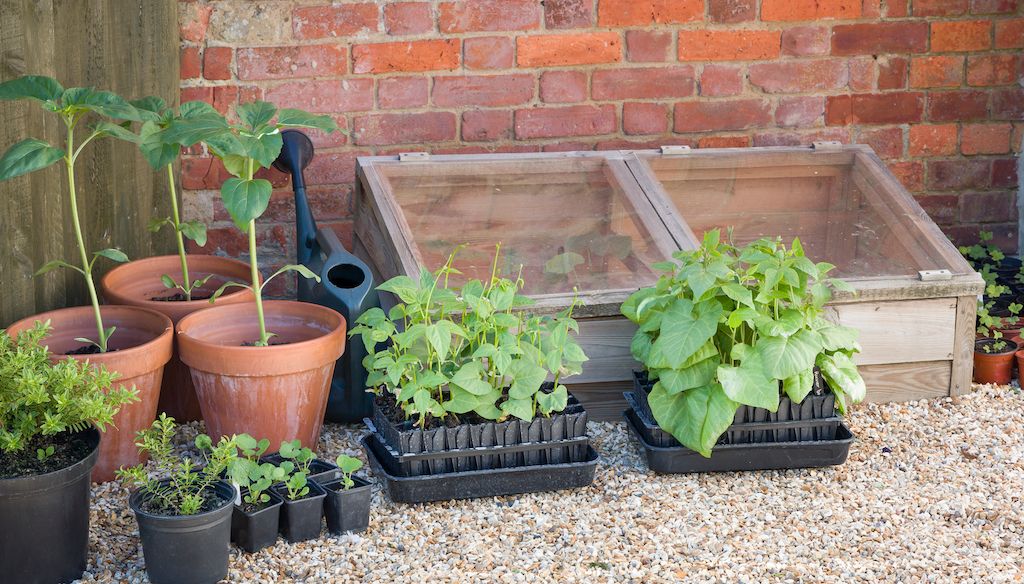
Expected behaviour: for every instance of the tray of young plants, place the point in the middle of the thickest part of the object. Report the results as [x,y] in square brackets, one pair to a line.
[463,407]
[741,369]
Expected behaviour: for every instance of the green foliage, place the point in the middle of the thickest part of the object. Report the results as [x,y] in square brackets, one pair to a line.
[41,398]
[180,486]
[454,351]
[727,326]
[249,473]
[348,465]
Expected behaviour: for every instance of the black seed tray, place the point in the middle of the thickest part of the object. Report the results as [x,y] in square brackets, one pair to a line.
[481,483]
[740,457]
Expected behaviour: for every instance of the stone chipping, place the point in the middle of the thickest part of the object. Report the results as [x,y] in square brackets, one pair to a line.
[932,492]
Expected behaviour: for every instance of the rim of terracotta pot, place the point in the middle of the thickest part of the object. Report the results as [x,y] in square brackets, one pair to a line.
[1008,351]
[211,340]
[130,356]
[136,282]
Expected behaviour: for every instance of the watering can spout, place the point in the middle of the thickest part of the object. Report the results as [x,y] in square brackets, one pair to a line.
[296,154]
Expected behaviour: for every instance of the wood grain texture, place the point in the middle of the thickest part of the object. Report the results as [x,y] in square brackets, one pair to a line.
[900,332]
[126,46]
[963,347]
[907,381]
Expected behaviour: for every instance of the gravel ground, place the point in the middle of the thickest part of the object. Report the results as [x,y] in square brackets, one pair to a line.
[931,493]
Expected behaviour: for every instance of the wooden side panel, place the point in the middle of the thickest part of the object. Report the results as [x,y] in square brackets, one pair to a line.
[963,346]
[606,341]
[907,381]
[902,331]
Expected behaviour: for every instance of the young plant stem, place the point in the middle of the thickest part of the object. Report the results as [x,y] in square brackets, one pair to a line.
[186,283]
[255,271]
[69,161]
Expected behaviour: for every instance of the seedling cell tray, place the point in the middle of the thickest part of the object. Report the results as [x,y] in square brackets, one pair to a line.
[480,483]
[739,457]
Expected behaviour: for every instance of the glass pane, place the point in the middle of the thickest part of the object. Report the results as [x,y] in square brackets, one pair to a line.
[841,214]
[567,221]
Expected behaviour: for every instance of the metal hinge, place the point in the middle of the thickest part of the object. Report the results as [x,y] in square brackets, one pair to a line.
[935,275]
[675,149]
[827,145]
[413,156]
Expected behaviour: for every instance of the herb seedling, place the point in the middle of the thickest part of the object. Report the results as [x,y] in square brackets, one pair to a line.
[72,106]
[348,465]
[44,453]
[301,456]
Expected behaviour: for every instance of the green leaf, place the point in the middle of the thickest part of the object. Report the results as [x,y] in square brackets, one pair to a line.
[554,401]
[741,294]
[154,147]
[189,131]
[527,378]
[54,264]
[245,200]
[116,131]
[520,408]
[440,339]
[167,281]
[685,328]
[748,384]
[677,380]
[28,156]
[629,307]
[256,113]
[696,418]
[151,108]
[112,254]
[263,149]
[104,103]
[192,109]
[460,401]
[293,118]
[156,223]
[38,87]
[798,386]
[841,373]
[786,356]
[839,338]
[640,346]
[302,270]
[563,263]
[194,230]
[469,377]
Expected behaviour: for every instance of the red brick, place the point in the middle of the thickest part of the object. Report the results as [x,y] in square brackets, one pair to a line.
[728,45]
[644,118]
[801,138]
[408,18]
[985,139]
[557,50]
[862,73]
[488,53]
[909,173]
[1008,104]
[402,92]
[802,41]
[643,83]
[994,6]
[485,90]
[1010,34]
[197,94]
[559,122]
[886,142]
[333,96]
[880,38]
[809,9]
[897,8]
[731,11]
[721,80]
[332,168]
[429,55]
[1000,69]
[951,106]
[486,125]
[799,76]
[419,128]
[648,46]
[939,7]
[224,97]
[1004,173]
[191,64]
[202,173]
[715,116]
[883,108]
[943,209]
[871,9]
[620,144]
[645,12]
[563,86]
[322,139]
[568,13]
[933,139]
[893,72]
[724,142]
[951,175]
[488,15]
[291,62]
[961,35]
[335,20]
[193,22]
[939,71]
[990,207]
[217,63]
[799,112]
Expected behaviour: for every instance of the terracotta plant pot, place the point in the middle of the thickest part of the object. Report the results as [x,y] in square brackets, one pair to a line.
[136,283]
[138,351]
[277,392]
[994,367]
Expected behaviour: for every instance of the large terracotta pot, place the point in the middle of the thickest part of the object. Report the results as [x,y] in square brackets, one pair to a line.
[277,392]
[138,351]
[137,282]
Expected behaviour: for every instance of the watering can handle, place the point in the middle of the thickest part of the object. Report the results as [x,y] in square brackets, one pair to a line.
[296,154]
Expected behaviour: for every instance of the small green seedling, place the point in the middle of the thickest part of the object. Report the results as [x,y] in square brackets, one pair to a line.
[348,465]
[300,456]
[44,453]
[296,486]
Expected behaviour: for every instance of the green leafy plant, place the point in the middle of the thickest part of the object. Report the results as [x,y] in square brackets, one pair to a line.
[250,474]
[180,487]
[726,326]
[297,485]
[989,325]
[454,351]
[245,147]
[44,453]
[40,399]
[295,452]
[72,106]
[348,465]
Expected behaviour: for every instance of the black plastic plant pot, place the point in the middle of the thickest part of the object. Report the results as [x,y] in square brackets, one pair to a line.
[44,520]
[320,471]
[186,549]
[348,510]
[480,483]
[302,519]
[255,530]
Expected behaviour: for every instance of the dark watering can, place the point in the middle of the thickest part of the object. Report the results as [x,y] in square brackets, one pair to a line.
[346,283]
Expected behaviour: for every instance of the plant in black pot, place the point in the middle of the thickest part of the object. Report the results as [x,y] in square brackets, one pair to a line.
[256,518]
[303,510]
[50,414]
[347,507]
[184,511]
[737,350]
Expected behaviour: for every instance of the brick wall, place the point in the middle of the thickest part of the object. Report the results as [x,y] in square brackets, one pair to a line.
[934,86]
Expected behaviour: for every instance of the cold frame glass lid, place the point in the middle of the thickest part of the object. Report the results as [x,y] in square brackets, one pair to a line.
[844,205]
[567,221]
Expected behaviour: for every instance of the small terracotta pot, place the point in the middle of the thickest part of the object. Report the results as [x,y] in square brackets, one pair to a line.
[277,392]
[137,282]
[993,367]
[139,349]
